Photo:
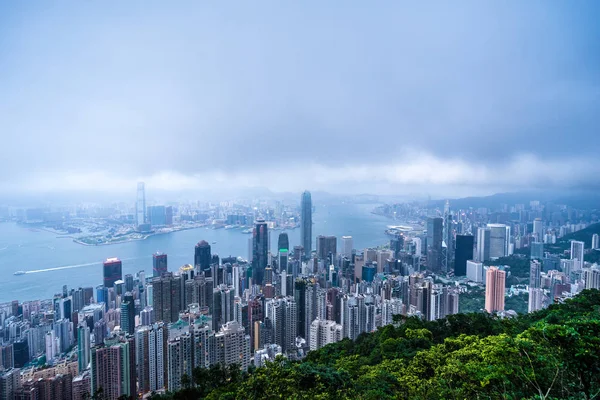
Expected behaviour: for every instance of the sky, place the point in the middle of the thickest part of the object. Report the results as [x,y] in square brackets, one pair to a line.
[444,98]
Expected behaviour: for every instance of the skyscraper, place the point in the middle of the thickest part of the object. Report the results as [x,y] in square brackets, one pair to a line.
[113,367]
[128,314]
[260,250]
[202,256]
[326,245]
[499,240]
[159,264]
[347,246]
[434,244]
[306,220]
[83,346]
[464,252]
[494,289]
[538,230]
[283,242]
[112,271]
[537,250]
[232,345]
[483,244]
[140,204]
[577,249]
[595,241]
[166,297]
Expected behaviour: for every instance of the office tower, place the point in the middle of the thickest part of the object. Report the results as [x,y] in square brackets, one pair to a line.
[495,281]
[128,283]
[283,242]
[347,246]
[483,244]
[159,264]
[595,241]
[157,215]
[140,204]
[326,245]
[232,346]
[538,230]
[418,246]
[260,250]
[83,346]
[223,306]
[474,271]
[202,256]
[112,271]
[128,314]
[324,332]
[499,240]
[434,244]
[577,249]
[306,220]
[535,273]
[147,316]
[463,253]
[166,297]
[180,353]
[113,367]
[396,244]
[537,250]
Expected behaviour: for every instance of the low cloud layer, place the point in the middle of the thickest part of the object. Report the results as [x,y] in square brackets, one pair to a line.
[348,97]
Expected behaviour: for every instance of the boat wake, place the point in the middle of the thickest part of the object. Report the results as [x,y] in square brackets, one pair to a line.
[35,271]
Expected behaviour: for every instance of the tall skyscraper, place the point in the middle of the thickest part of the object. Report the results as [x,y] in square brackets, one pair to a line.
[306,220]
[577,250]
[347,246]
[140,204]
[112,271]
[499,240]
[128,314]
[283,242]
[283,246]
[202,256]
[166,297]
[483,244]
[159,264]
[464,252]
[326,245]
[538,230]
[537,250]
[495,284]
[434,244]
[260,251]
[83,346]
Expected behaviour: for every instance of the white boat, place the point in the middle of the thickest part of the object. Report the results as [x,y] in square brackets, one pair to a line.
[20,273]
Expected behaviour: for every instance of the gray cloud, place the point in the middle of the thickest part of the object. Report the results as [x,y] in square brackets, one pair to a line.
[265,93]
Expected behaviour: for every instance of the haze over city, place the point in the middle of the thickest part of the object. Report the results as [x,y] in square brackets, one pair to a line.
[452,100]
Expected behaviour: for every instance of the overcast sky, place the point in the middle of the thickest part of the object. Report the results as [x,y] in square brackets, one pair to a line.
[450,98]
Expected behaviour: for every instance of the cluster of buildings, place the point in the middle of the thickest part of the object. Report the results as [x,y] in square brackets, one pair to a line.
[136,334]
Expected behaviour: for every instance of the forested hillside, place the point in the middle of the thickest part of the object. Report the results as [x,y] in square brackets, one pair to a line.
[550,354]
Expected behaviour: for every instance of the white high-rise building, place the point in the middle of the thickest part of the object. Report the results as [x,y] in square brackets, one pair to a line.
[595,241]
[232,345]
[483,244]
[538,230]
[499,240]
[324,332]
[577,249]
[140,204]
[475,271]
[347,246]
[418,246]
[591,276]
[536,299]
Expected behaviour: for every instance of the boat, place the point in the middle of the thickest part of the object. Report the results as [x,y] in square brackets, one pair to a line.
[214,242]
[20,273]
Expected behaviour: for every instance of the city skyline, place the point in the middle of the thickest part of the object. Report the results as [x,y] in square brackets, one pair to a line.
[466,100]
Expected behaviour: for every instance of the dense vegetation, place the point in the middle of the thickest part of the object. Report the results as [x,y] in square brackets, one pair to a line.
[551,354]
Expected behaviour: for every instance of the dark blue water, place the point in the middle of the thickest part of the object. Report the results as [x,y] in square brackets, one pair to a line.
[25,249]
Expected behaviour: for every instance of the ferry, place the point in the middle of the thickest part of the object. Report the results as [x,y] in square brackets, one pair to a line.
[20,273]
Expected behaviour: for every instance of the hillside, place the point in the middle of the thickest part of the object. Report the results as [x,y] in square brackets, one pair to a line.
[553,353]
[564,243]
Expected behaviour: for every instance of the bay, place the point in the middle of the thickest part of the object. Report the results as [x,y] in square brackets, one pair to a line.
[52,262]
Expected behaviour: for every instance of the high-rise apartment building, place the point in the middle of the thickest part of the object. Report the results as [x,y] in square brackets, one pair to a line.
[180,353]
[113,368]
[112,271]
[595,241]
[494,289]
[232,345]
[166,297]
[324,332]
[306,221]
[347,246]
[538,230]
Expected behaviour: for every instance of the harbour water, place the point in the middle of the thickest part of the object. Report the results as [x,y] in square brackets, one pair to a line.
[52,262]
